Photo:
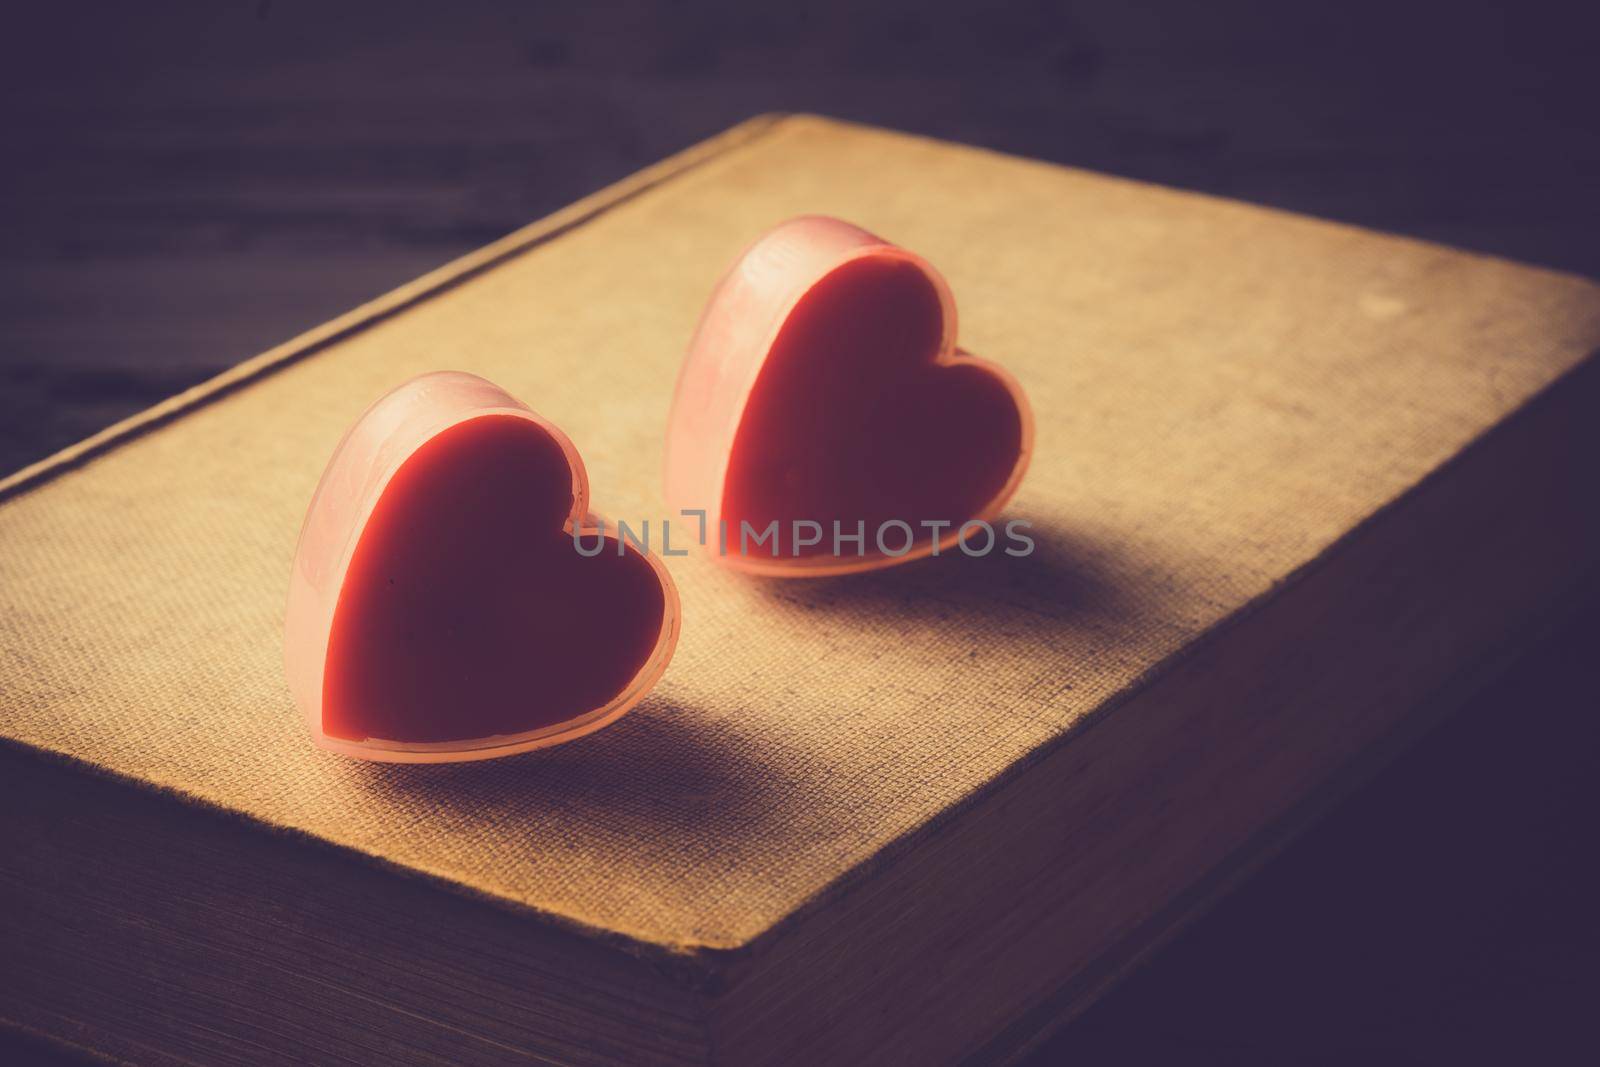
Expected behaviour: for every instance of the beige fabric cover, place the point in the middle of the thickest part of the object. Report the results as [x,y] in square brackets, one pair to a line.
[1222,391]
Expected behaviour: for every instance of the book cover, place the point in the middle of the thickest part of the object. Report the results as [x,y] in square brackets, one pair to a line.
[1226,396]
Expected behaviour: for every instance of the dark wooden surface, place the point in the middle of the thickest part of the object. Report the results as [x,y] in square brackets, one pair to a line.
[187,184]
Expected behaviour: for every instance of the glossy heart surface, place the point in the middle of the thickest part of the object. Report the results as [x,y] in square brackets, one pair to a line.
[440,607]
[823,395]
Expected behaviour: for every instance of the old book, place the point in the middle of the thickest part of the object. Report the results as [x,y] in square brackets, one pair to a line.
[1296,487]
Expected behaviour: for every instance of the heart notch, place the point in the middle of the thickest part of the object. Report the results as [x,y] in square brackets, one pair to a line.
[825,421]
[441,607]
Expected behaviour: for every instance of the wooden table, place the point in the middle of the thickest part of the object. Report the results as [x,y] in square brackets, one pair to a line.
[186,185]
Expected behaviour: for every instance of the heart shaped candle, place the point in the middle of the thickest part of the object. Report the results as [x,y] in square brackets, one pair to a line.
[824,419]
[440,607]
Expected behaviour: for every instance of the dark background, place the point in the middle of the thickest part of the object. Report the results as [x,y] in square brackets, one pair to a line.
[184,185]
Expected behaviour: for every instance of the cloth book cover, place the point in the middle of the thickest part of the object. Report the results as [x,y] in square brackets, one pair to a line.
[1222,393]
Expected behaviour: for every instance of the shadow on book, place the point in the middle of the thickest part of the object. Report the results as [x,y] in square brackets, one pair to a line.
[1066,581]
[705,775]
